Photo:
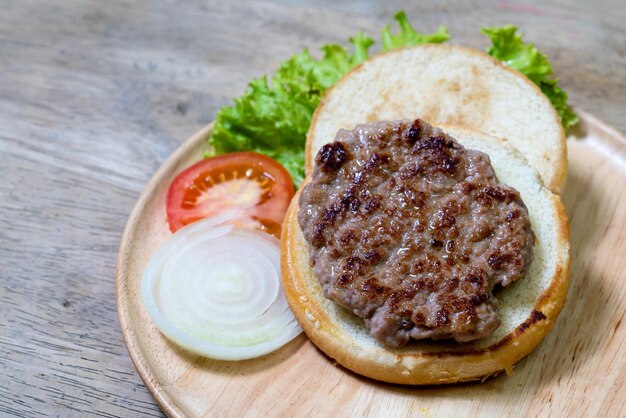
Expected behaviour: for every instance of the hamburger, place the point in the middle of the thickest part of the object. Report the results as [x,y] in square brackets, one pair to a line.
[428,244]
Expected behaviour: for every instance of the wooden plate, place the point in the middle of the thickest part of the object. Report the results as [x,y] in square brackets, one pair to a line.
[577,370]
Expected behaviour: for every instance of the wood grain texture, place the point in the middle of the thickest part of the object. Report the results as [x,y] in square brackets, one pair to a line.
[582,358]
[94,96]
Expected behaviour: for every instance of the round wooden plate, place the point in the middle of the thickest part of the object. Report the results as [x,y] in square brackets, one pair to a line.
[577,370]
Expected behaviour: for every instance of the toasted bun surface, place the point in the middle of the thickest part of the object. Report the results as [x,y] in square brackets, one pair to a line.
[528,308]
[444,84]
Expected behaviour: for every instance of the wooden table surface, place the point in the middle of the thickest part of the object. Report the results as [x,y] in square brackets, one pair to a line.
[94,95]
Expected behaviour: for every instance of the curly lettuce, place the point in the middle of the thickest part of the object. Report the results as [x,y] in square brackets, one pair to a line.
[407,36]
[508,47]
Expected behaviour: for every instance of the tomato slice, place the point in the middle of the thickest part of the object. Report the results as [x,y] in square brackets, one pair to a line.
[253,183]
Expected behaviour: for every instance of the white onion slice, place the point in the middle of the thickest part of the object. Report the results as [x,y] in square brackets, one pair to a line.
[214,289]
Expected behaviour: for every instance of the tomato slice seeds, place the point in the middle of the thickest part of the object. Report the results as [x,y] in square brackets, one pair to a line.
[252,183]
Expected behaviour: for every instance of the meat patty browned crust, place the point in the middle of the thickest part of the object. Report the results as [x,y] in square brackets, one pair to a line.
[411,231]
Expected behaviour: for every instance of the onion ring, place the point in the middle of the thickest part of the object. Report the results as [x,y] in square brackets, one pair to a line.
[214,289]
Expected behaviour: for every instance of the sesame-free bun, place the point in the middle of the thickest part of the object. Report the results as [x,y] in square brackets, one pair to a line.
[444,84]
[528,307]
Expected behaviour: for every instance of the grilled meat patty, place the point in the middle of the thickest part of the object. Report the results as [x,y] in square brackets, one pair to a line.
[411,231]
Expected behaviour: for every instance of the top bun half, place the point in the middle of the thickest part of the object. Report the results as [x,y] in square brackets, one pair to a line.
[444,84]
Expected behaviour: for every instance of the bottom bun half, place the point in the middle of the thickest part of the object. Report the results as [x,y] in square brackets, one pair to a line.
[528,307]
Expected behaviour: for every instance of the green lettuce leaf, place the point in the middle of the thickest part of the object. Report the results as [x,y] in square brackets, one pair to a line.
[273,117]
[508,47]
[407,36]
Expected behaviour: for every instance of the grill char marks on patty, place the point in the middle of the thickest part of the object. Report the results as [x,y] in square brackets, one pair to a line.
[411,231]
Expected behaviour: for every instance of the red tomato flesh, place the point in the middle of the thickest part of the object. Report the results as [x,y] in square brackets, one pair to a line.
[253,183]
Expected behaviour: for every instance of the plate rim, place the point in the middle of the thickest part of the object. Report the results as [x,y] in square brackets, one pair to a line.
[164,402]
